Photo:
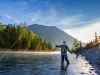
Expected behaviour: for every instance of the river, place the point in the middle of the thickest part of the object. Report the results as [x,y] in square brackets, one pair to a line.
[42,64]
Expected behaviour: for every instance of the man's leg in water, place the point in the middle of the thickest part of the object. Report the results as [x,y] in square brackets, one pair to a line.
[62,61]
[66,58]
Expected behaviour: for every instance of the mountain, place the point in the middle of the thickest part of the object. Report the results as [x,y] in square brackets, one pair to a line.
[52,34]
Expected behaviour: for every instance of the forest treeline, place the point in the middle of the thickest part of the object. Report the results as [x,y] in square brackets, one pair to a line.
[78,48]
[18,37]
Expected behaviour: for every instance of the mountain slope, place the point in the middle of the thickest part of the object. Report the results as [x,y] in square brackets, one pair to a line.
[51,34]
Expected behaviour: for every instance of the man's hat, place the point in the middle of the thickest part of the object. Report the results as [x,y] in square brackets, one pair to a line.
[64,41]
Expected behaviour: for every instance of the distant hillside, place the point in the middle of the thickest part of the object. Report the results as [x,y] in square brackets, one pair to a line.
[52,34]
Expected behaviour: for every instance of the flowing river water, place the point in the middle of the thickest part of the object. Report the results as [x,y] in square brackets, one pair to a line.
[17,63]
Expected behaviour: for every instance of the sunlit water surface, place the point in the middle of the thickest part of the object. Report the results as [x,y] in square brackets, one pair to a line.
[40,64]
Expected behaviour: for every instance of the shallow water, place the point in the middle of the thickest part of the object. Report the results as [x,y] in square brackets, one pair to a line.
[40,64]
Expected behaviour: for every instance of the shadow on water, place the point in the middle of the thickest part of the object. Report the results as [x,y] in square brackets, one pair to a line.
[63,70]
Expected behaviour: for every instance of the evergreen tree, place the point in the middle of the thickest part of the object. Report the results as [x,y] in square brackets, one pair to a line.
[96,38]
[19,37]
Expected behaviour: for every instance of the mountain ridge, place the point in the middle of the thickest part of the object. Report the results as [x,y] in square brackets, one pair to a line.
[52,34]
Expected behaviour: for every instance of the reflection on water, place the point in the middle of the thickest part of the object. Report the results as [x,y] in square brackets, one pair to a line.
[64,70]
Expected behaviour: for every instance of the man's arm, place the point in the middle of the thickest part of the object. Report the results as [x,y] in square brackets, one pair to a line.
[58,45]
[68,49]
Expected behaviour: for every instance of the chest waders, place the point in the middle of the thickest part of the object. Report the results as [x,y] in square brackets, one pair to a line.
[64,55]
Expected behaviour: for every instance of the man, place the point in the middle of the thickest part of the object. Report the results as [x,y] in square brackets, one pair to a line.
[64,49]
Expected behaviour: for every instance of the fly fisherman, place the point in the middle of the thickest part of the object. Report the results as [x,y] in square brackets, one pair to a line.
[64,49]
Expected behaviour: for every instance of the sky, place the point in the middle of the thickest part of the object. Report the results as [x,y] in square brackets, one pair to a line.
[79,18]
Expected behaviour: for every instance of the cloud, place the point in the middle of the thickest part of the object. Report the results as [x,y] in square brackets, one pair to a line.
[71,22]
[51,18]
[44,18]
[9,18]
[85,33]
[34,16]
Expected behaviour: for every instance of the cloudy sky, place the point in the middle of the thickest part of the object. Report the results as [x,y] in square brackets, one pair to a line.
[79,18]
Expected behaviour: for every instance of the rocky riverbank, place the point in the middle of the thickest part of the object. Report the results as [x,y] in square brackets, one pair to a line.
[93,56]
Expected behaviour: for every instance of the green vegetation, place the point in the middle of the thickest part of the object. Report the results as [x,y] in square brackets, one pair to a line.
[77,47]
[94,43]
[18,37]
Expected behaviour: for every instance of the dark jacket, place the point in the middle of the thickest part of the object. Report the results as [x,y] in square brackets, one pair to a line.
[64,48]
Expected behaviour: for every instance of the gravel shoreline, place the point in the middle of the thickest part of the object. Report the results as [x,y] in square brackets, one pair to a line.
[93,57]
